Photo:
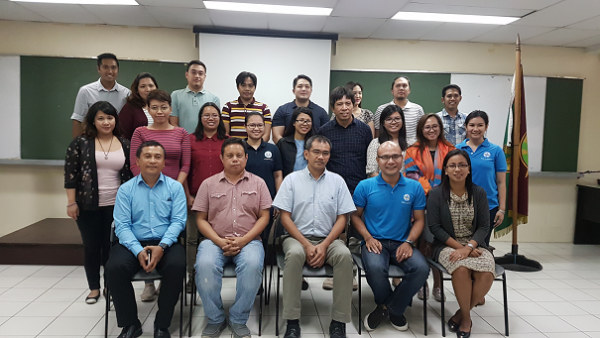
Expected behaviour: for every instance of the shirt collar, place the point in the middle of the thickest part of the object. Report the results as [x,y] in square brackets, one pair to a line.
[445,113]
[241,103]
[311,105]
[140,179]
[101,88]
[306,172]
[188,90]
[262,144]
[486,143]
[401,181]
[351,123]
[222,176]
[212,138]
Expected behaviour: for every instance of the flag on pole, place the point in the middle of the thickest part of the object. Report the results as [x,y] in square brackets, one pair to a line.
[523,186]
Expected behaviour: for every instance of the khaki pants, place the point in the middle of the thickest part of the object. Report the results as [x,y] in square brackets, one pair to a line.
[192,241]
[338,256]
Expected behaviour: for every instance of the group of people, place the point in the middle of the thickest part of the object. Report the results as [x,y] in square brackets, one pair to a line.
[165,167]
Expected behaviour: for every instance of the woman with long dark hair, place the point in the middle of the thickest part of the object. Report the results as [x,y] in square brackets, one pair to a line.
[458,217]
[97,163]
[291,145]
[135,112]
[392,128]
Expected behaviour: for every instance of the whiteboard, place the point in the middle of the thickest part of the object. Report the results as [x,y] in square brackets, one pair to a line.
[492,93]
[10,114]
[275,61]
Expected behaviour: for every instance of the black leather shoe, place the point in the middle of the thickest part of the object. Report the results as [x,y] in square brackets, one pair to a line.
[131,331]
[161,333]
[292,331]
[337,330]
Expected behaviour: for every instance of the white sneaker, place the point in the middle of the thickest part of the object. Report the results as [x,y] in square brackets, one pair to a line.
[328,284]
[149,293]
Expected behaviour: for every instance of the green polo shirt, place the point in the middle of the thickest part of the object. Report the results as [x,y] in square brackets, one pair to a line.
[186,106]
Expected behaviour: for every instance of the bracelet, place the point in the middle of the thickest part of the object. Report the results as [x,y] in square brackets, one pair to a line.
[471,246]
[502,211]
[72,204]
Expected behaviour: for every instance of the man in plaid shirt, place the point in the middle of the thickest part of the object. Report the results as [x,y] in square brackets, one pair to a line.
[454,121]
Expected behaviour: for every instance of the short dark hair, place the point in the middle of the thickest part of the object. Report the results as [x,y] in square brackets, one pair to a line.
[134,98]
[243,76]
[103,56]
[317,138]
[199,132]
[338,93]
[232,141]
[384,136]
[478,113]
[301,76]
[291,129]
[451,86]
[254,113]
[89,128]
[195,62]
[151,143]
[159,95]
[401,77]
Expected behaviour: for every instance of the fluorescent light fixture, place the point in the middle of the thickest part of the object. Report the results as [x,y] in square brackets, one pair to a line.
[84,2]
[460,18]
[270,9]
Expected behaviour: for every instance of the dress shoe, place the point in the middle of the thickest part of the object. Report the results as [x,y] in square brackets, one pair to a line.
[161,333]
[131,331]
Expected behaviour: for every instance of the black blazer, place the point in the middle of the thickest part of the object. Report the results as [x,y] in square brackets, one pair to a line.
[287,148]
[439,218]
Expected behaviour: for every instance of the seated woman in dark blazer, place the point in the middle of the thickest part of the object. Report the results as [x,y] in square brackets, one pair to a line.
[459,219]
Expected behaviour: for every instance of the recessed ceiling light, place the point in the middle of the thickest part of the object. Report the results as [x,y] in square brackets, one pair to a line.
[85,2]
[270,9]
[461,18]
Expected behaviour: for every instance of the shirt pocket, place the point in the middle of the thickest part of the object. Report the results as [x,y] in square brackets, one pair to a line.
[328,204]
[163,209]
[250,201]
[218,201]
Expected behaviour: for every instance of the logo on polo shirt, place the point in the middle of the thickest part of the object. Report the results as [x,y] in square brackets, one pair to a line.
[268,154]
[407,197]
[487,154]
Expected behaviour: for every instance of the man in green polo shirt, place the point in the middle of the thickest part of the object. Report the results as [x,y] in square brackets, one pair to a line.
[188,101]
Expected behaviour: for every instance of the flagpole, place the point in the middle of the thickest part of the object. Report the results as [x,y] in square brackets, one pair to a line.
[514,261]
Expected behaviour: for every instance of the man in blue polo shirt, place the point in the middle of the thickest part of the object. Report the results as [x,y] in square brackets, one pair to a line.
[387,201]
[302,88]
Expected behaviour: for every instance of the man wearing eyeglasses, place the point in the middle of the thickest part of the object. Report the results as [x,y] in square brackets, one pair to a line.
[454,121]
[314,202]
[387,202]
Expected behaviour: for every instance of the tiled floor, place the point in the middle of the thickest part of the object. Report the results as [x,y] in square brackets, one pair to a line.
[562,301]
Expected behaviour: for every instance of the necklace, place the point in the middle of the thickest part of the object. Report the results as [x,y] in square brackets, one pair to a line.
[105,152]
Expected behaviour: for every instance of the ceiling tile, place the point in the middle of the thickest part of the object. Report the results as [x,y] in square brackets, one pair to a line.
[15,12]
[377,9]
[404,30]
[352,27]
[586,42]
[508,34]
[560,37]
[296,22]
[593,23]
[457,32]
[174,17]
[562,14]
[239,19]
[123,15]
[515,4]
[467,10]
[172,3]
[63,13]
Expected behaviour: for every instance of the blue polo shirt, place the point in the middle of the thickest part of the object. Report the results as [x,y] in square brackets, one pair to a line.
[283,115]
[487,160]
[388,209]
[263,162]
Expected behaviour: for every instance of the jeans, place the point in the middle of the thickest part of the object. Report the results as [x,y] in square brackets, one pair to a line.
[209,280]
[493,213]
[376,270]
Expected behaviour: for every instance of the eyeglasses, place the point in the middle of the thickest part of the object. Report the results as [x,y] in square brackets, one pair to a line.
[387,157]
[433,127]
[256,126]
[157,108]
[307,122]
[319,153]
[208,117]
[454,166]
[393,120]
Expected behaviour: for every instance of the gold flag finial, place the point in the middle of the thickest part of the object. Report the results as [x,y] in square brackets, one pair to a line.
[518,42]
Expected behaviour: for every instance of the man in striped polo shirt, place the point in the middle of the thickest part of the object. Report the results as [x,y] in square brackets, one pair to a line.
[412,111]
[234,112]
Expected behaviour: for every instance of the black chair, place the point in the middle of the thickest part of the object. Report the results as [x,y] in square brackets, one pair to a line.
[500,276]
[228,272]
[142,276]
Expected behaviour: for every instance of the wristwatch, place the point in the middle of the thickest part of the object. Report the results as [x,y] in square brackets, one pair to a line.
[411,243]
[163,246]
[471,246]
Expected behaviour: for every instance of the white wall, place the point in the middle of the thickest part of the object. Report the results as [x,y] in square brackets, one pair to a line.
[10,101]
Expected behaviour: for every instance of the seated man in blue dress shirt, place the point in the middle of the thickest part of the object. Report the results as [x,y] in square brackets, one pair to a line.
[150,213]
[387,201]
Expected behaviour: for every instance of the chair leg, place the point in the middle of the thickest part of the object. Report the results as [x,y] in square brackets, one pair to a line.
[443,303]
[268,300]
[192,301]
[106,310]
[181,300]
[505,304]
[260,308]
[277,304]
[358,272]
[425,312]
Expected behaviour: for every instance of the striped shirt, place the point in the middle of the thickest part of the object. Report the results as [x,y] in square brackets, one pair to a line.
[177,148]
[412,114]
[234,112]
[455,130]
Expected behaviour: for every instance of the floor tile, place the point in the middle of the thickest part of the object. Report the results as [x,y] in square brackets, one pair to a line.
[516,324]
[20,270]
[528,308]
[71,326]
[10,308]
[542,296]
[10,281]
[24,326]
[567,335]
[562,308]
[61,295]
[43,309]
[583,322]
[549,324]
[21,295]
[592,307]
[55,271]
[38,282]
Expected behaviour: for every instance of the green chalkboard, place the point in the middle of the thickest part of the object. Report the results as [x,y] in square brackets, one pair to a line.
[49,86]
[561,124]
[426,88]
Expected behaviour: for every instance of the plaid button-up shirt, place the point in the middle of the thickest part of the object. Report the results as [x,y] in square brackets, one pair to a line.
[455,130]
